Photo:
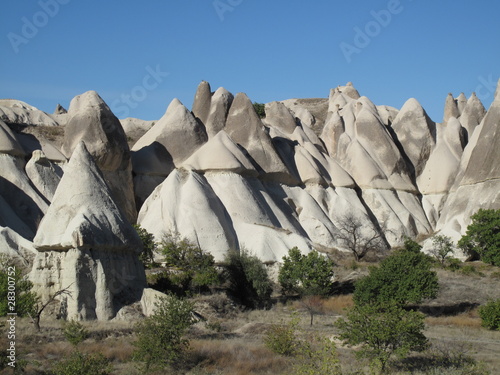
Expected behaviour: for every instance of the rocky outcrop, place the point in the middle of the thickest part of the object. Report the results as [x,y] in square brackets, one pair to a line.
[166,145]
[92,122]
[44,174]
[86,245]
[18,112]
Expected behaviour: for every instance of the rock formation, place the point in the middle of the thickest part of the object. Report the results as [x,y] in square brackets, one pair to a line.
[224,178]
[86,245]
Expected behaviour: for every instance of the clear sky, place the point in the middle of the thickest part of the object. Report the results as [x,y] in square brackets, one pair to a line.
[139,55]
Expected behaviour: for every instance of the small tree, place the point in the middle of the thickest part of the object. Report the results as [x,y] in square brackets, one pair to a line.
[189,267]
[248,279]
[147,255]
[490,315]
[442,249]
[404,277]
[358,238]
[38,307]
[309,274]
[160,337]
[383,331]
[260,109]
[482,237]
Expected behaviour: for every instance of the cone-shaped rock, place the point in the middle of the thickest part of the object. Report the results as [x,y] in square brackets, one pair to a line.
[461,103]
[219,109]
[92,122]
[220,154]
[86,245]
[60,110]
[177,131]
[44,174]
[450,108]
[83,212]
[472,114]
[416,133]
[279,117]
[246,129]
[201,102]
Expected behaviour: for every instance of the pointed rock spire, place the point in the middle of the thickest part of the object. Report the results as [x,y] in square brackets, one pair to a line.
[219,109]
[450,108]
[83,213]
[60,110]
[461,103]
[416,133]
[201,102]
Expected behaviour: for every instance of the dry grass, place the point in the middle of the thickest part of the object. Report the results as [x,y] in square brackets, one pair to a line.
[338,304]
[235,357]
[114,349]
[469,319]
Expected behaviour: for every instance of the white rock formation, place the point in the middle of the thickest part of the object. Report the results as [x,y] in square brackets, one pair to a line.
[86,244]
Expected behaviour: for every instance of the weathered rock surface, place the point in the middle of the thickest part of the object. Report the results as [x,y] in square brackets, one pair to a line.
[92,122]
[18,112]
[86,244]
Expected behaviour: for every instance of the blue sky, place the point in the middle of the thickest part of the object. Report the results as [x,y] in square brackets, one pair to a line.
[139,55]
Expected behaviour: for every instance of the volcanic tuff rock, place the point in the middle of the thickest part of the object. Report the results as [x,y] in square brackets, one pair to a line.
[86,244]
[226,179]
[92,121]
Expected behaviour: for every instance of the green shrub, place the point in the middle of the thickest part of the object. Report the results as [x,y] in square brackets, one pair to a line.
[75,332]
[454,264]
[248,279]
[260,109]
[404,277]
[482,238]
[310,274]
[160,338]
[282,338]
[149,246]
[442,249]
[190,269]
[83,364]
[383,330]
[318,356]
[15,290]
[490,315]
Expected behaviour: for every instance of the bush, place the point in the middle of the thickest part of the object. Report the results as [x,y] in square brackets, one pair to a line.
[383,330]
[190,269]
[482,238]
[490,315]
[75,333]
[404,277]
[149,246]
[160,342]
[248,279]
[442,249]
[309,274]
[83,364]
[260,109]
[317,357]
[282,339]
